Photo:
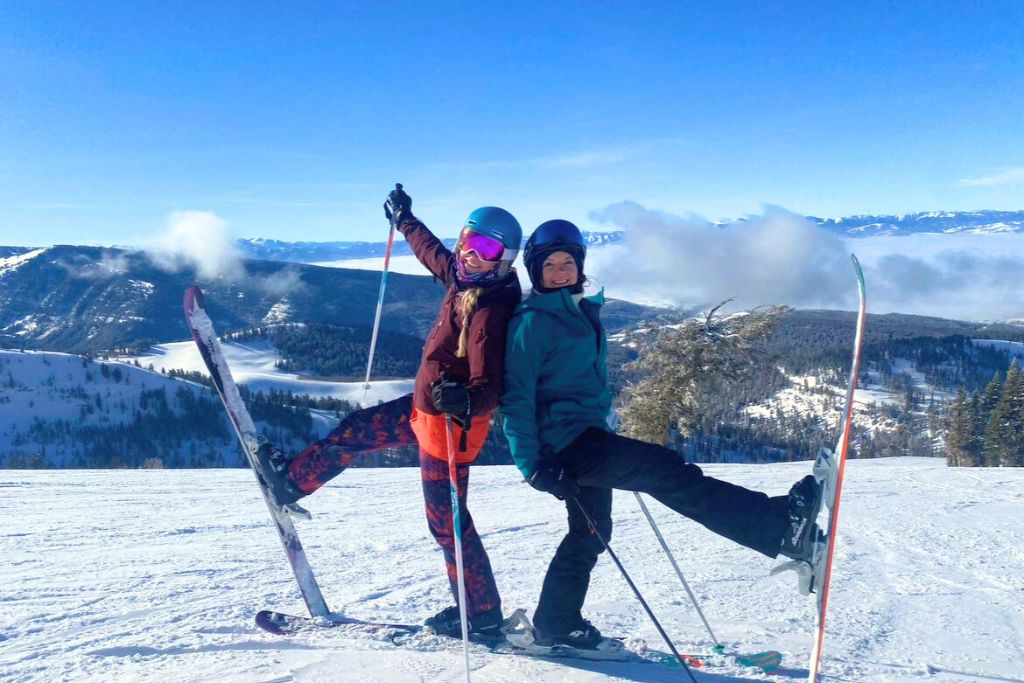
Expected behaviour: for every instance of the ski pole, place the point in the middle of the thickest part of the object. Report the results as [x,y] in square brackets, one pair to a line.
[636,591]
[671,558]
[380,298]
[453,479]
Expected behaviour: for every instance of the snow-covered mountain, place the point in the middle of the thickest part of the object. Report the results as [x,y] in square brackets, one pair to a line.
[61,410]
[77,299]
[154,576]
[926,222]
[88,299]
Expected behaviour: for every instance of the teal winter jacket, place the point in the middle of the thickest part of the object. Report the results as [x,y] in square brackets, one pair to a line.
[556,382]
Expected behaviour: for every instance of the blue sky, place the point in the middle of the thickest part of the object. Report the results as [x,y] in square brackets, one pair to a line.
[292,120]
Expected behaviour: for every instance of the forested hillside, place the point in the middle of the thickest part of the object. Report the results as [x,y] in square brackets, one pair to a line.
[913,367]
[59,410]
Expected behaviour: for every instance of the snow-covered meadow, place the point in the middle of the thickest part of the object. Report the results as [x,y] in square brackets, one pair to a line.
[138,575]
[253,364]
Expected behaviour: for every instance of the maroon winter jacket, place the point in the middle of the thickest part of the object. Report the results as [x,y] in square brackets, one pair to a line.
[483,366]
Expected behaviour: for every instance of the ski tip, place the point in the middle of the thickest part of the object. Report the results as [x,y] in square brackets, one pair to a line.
[271,621]
[193,298]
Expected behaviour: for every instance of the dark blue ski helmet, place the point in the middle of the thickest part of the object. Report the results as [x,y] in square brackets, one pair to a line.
[549,237]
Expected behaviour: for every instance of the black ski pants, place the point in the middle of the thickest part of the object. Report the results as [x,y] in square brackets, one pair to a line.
[601,461]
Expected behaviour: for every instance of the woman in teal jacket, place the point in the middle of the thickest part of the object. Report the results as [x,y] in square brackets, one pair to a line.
[555,407]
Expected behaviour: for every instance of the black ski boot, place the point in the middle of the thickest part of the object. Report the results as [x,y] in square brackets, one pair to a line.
[802,532]
[484,625]
[274,462]
[584,636]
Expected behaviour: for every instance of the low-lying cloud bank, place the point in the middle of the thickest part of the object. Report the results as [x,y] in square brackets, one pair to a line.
[781,258]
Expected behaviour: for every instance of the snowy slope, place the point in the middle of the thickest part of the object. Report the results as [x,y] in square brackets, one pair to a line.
[11,263]
[75,412]
[252,364]
[807,396]
[153,576]
[49,401]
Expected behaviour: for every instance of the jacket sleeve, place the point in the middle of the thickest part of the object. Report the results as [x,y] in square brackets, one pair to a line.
[486,356]
[430,251]
[523,357]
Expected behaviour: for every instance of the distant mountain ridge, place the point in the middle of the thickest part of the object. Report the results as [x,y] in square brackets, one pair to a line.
[91,299]
[930,222]
[924,222]
[325,252]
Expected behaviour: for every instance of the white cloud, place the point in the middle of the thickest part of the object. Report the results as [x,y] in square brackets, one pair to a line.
[285,281]
[781,258]
[776,258]
[1008,177]
[109,265]
[200,240]
[965,277]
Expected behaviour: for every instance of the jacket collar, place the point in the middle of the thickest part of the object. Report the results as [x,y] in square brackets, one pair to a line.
[560,299]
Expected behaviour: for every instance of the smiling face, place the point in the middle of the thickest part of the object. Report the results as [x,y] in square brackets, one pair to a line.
[559,270]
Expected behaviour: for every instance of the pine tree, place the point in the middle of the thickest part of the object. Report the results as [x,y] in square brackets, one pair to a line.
[1015,399]
[993,390]
[685,366]
[960,432]
[989,399]
[1004,445]
[1004,434]
[977,432]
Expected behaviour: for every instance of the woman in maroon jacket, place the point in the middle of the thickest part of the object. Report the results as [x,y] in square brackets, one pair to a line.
[460,374]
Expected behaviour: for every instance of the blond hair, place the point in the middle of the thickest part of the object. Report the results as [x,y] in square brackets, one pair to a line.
[467,304]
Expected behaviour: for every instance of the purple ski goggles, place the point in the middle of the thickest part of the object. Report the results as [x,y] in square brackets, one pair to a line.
[486,248]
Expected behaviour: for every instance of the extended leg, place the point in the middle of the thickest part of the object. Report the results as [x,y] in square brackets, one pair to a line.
[750,518]
[365,431]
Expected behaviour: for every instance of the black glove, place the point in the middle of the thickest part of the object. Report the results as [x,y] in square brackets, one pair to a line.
[451,397]
[554,479]
[398,204]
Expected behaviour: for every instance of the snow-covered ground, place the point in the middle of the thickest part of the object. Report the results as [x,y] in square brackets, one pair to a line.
[155,575]
[252,364]
[808,397]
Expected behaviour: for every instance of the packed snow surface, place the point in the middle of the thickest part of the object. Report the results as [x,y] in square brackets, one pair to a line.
[141,575]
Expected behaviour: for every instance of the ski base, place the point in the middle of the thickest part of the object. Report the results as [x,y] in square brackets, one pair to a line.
[281,624]
[514,641]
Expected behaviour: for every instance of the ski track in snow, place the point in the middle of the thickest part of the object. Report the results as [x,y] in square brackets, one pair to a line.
[140,575]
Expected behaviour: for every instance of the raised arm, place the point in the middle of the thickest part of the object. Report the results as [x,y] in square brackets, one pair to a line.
[430,251]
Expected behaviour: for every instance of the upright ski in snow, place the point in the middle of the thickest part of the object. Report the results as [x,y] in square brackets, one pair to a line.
[815,577]
[209,347]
